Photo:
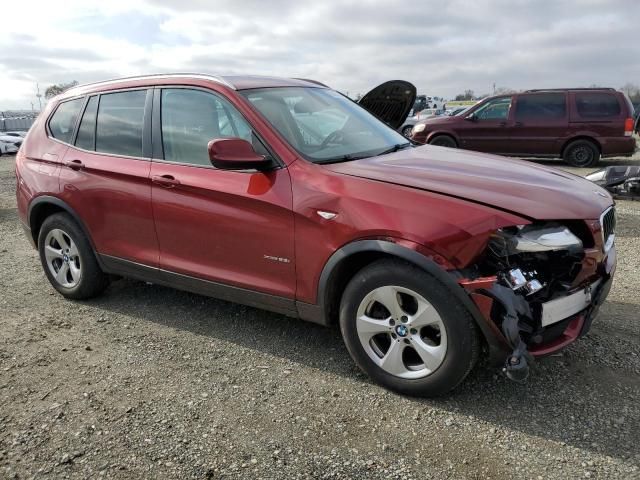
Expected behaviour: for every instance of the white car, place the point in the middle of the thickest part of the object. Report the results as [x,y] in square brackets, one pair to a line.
[8,146]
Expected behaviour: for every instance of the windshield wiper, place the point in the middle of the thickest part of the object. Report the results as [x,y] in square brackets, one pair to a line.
[341,158]
[395,148]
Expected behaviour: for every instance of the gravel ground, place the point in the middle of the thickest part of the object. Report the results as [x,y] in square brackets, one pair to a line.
[149,382]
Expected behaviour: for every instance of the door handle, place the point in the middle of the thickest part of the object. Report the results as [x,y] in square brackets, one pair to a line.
[75,165]
[519,124]
[503,124]
[167,181]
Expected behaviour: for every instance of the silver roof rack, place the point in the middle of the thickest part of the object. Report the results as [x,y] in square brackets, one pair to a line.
[203,76]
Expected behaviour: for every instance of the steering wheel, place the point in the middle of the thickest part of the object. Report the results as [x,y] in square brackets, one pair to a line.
[334,137]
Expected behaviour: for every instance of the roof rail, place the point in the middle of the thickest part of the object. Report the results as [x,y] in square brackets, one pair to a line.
[215,78]
[311,81]
[567,89]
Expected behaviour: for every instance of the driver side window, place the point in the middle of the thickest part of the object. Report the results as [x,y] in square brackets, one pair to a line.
[497,109]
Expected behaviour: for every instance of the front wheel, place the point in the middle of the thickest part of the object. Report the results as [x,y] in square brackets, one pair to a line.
[444,141]
[406,131]
[402,329]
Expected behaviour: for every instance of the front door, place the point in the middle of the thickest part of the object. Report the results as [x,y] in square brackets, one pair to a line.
[486,128]
[229,227]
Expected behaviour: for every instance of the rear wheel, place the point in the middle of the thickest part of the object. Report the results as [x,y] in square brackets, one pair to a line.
[443,141]
[402,329]
[581,153]
[68,259]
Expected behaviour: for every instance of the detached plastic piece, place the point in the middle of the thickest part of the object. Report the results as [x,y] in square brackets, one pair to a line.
[620,181]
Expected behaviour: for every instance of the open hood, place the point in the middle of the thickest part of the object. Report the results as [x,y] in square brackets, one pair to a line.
[391,102]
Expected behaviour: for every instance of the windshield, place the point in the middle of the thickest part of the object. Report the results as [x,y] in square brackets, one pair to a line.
[323,125]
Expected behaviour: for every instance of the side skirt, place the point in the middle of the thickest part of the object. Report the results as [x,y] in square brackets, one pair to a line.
[126,268]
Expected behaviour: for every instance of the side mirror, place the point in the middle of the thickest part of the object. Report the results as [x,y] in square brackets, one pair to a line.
[235,154]
[471,117]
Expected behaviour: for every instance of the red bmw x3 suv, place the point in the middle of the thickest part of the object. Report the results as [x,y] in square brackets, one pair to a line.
[285,195]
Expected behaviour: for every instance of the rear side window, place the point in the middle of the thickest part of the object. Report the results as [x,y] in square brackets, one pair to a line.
[597,105]
[541,106]
[86,138]
[120,123]
[63,121]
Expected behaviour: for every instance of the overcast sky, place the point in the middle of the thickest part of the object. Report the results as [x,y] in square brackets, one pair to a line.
[443,47]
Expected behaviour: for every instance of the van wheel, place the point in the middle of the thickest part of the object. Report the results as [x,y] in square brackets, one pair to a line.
[443,141]
[402,329]
[581,153]
[68,259]
[406,131]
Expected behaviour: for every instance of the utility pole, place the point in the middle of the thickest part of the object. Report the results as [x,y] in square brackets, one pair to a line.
[494,88]
[39,97]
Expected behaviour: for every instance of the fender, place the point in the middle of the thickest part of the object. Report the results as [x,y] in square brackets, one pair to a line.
[318,313]
[43,200]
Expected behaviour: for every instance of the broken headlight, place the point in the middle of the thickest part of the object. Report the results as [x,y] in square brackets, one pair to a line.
[535,259]
[535,238]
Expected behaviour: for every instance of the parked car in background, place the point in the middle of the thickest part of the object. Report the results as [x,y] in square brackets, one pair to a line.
[7,146]
[409,123]
[579,125]
[14,134]
[423,102]
[236,187]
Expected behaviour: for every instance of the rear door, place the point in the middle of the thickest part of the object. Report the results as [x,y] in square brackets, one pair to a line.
[228,227]
[485,129]
[105,175]
[540,123]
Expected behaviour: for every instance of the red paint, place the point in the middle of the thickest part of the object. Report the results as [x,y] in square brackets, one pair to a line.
[570,335]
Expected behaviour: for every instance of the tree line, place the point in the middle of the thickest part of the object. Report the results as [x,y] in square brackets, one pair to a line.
[631,89]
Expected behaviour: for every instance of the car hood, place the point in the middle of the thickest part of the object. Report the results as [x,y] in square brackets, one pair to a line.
[511,185]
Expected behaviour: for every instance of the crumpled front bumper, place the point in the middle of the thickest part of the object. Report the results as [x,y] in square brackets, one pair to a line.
[506,340]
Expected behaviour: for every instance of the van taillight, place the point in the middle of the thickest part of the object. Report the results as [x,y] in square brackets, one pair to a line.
[628,127]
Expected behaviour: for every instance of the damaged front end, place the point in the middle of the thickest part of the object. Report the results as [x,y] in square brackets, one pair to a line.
[539,286]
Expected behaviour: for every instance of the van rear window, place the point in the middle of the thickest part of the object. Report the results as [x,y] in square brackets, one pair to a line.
[597,105]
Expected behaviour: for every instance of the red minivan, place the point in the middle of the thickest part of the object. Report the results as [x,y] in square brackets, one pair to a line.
[580,125]
[285,195]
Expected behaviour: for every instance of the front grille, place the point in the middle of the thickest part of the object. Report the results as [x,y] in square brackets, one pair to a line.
[608,223]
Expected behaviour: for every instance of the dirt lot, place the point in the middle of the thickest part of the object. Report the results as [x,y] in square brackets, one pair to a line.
[149,382]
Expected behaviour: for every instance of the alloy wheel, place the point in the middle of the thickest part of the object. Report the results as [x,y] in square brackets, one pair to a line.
[401,332]
[62,258]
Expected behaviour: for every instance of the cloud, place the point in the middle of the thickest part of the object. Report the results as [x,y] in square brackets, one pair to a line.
[443,47]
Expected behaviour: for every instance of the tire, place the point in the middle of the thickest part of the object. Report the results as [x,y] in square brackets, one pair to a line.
[581,153]
[68,259]
[445,333]
[443,141]
[406,131]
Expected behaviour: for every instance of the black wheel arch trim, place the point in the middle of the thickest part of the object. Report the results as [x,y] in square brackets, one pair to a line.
[318,313]
[50,200]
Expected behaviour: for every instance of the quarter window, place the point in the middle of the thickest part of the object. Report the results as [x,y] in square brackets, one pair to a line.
[496,109]
[597,105]
[192,118]
[86,138]
[541,106]
[120,123]
[63,121]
